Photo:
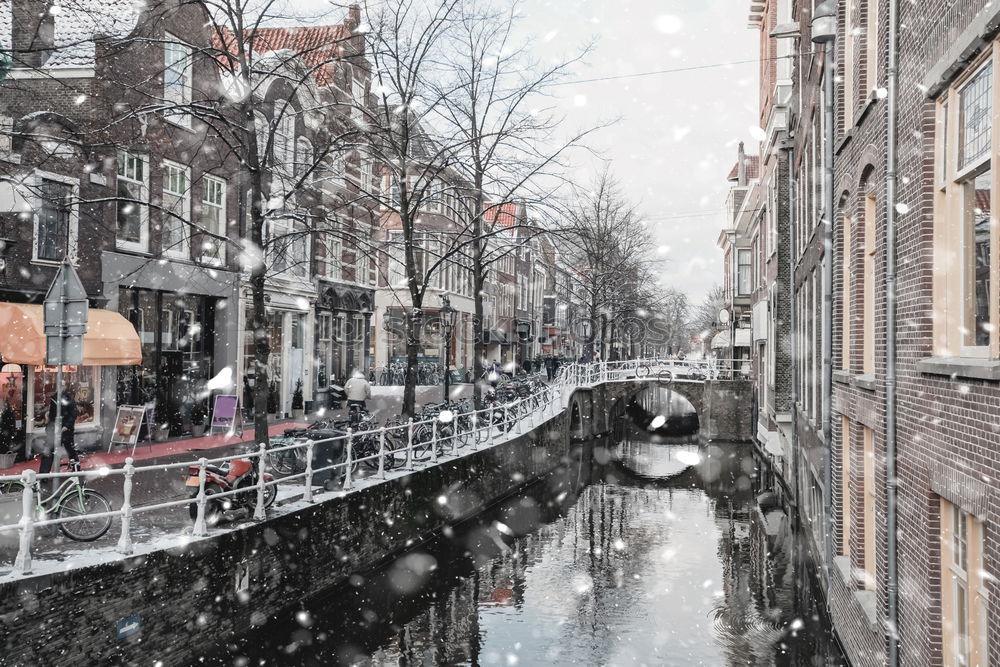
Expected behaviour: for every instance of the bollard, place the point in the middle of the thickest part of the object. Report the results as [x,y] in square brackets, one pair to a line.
[308,494]
[22,564]
[409,444]
[258,513]
[125,541]
[348,459]
[434,441]
[381,453]
[200,529]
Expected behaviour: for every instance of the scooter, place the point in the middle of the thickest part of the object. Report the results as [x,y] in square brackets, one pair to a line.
[238,474]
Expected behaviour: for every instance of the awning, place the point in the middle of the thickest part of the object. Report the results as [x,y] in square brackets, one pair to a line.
[498,337]
[110,340]
[722,339]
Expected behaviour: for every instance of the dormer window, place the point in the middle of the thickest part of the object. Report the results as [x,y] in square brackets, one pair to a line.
[177,77]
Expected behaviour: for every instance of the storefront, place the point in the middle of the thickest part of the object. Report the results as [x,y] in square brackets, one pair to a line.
[28,385]
[177,333]
[343,334]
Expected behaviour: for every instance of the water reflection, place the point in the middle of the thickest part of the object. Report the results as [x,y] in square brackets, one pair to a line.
[640,553]
[665,410]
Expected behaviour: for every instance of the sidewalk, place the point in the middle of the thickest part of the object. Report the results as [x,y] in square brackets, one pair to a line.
[171,448]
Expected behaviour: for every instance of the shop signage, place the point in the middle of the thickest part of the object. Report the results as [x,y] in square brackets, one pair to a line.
[225,412]
[128,422]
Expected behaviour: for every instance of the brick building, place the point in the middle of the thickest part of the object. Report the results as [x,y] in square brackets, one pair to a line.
[946,343]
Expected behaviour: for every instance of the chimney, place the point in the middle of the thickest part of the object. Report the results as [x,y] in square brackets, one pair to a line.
[741,167]
[353,19]
[33,32]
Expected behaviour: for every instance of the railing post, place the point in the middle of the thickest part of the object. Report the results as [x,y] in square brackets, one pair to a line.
[258,513]
[434,441]
[200,529]
[125,541]
[409,444]
[348,459]
[22,564]
[475,430]
[307,495]
[381,453]
[491,426]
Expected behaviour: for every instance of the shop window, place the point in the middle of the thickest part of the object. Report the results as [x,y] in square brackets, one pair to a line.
[213,219]
[55,223]
[177,210]
[83,381]
[963,593]
[133,193]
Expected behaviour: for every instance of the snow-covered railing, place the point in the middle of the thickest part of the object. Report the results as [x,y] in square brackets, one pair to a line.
[663,370]
[448,432]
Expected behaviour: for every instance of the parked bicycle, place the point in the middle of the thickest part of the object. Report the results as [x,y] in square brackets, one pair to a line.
[74,500]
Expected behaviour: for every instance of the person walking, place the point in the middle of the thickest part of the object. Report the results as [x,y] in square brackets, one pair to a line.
[358,391]
[526,365]
[550,368]
[66,431]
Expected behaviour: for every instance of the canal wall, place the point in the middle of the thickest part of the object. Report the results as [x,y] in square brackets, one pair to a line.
[165,606]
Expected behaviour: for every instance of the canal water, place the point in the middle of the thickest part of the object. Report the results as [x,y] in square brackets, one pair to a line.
[648,551]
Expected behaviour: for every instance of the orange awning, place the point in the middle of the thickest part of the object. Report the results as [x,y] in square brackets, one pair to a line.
[110,340]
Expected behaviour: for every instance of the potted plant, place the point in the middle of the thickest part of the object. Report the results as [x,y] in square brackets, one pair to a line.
[297,403]
[199,413]
[272,400]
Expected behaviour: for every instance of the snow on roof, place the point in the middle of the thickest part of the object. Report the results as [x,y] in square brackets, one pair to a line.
[77,23]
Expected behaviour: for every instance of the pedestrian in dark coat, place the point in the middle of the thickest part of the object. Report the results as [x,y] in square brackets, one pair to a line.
[66,430]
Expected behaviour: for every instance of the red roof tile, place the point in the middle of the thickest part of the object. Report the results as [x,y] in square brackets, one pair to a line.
[753,168]
[318,46]
[503,214]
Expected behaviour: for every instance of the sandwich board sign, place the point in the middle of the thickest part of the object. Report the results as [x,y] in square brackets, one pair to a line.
[225,412]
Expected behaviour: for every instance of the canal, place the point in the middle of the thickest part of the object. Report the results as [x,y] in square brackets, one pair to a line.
[645,551]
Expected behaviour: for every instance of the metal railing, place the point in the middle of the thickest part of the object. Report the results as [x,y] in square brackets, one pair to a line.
[426,441]
[482,427]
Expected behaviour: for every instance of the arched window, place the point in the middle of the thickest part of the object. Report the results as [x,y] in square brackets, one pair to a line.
[284,136]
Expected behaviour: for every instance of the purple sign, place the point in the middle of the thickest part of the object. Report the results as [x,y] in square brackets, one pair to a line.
[224,412]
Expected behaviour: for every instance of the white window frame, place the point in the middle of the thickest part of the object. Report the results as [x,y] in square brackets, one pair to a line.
[334,257]
[284,142]
[222,226]
[358,100]
[172,42]
[741,252]
[143,244]
[183,251]
[304,157]
[74,216]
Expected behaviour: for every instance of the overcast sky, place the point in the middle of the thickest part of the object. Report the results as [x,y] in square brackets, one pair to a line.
[678,134]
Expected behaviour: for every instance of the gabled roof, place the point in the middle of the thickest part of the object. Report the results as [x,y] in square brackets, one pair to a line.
[753,168]
[318,46]
[504,215]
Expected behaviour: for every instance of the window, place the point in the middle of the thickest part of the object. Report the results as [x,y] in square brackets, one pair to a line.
[367,175]
[358,106]
[86,379]
[55,232]
[394,195]
[845,486]
[963,594]
[871,44]
[975,121]
[324,349]
[133,192]
[964,294]
[868,341]
[334,257]
[284,137]
[177,76]
[743,271]
[847,71]
[288,247]
[303,158]
[338,169]
[262,128]
[213,219]
[397,270]
[845,297]
[176,210]
[869,509]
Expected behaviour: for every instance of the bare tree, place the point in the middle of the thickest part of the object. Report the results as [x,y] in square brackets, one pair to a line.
[606,244]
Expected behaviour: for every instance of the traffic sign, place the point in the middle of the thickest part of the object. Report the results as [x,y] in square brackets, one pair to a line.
[65,318]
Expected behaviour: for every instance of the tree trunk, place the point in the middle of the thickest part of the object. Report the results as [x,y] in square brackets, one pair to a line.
[414,326]
[478,278]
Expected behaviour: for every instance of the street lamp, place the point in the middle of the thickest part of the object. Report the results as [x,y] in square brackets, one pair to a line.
[447,315]
[823,25]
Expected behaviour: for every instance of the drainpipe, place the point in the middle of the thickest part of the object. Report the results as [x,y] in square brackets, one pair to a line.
[892,585]
[824,31]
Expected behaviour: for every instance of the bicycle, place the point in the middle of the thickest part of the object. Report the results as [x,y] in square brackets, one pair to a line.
[71,499]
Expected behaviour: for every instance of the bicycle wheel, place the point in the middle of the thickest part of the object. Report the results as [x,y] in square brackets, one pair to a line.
[78,505]
[422,437]
[282,463]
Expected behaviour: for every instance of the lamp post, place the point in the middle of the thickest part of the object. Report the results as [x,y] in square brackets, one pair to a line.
[823,28]
[447,315]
